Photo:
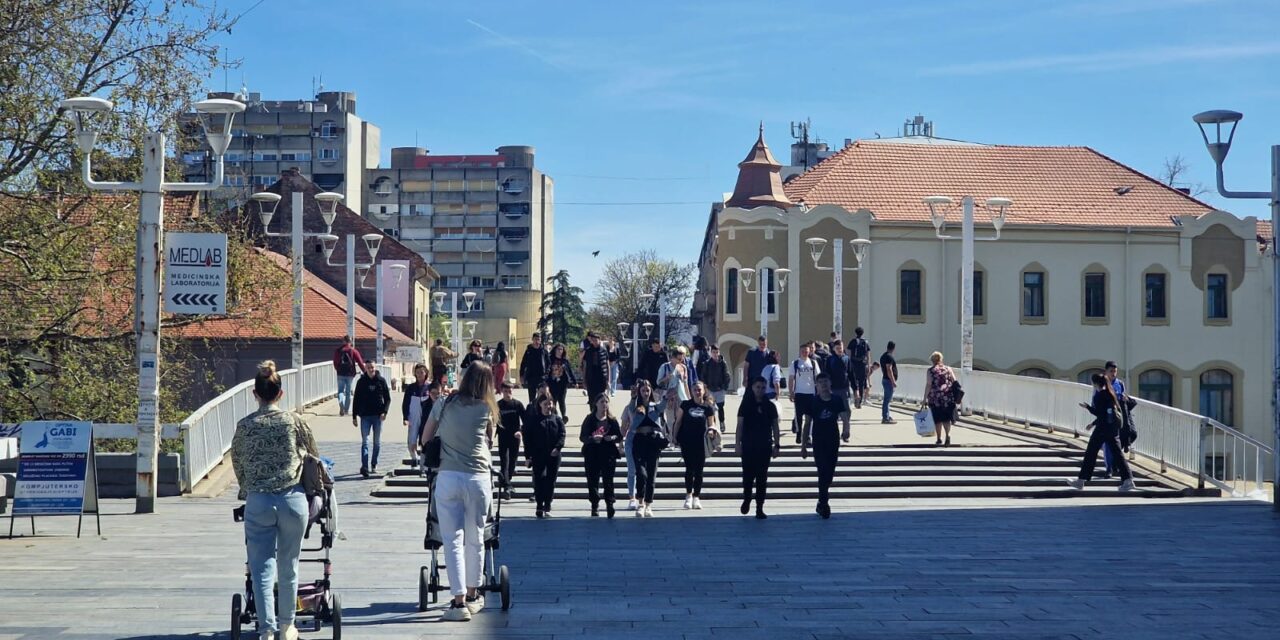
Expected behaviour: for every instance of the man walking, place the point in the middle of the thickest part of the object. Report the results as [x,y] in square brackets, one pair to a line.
[801,381]
[889,371]
[1111,370]
[714,372]
[534,366]
[859,351]
[347,363]
[370,410]
[836,366]
[595,367]
[652,361]
[440,357]
[756,360]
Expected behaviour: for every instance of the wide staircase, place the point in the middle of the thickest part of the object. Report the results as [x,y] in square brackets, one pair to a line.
[986,460]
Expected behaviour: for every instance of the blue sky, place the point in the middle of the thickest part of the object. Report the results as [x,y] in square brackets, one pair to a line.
[641,112]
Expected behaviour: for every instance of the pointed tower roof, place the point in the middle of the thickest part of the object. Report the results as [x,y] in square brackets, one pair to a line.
[759,181]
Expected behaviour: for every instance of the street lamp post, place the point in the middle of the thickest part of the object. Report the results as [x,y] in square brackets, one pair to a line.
[764,289]
[816,247]
[452,326]
[372,241]
[938,208]
[267,203]
[399,270]
[216,117]
[1218,151]
[648,299]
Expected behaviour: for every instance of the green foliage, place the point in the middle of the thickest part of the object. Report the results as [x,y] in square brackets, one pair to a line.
[623,280]
[564,318]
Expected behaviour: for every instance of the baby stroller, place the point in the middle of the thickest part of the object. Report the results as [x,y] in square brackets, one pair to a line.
[495,578]
[316,600]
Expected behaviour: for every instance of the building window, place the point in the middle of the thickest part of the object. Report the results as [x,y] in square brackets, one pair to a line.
[514,282]
[910,294]
[1033,295]
[1217,395]
[1035,372]
[772,288]
[731,292]
[1095,296]
[1156,385]
[328,154]
[1216,296]
[383,187]
[1086,376]
[979,300]
[328,129]
[1155,286]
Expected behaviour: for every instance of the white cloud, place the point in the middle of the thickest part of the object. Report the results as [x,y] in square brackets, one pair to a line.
[1109,60]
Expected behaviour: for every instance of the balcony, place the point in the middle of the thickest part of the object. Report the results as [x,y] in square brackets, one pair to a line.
[513,211]
[513,258]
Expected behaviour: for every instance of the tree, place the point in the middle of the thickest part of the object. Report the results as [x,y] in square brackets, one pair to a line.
[563,316]
[1177,167]
[626,278]
[66,258]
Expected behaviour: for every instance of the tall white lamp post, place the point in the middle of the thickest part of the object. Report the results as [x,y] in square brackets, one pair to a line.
[372,241]
[267,203]
[452,326]
[399,271]
[816,247]
[216,117]
[661,312]
[938,208]
[764,289]
[1218,149]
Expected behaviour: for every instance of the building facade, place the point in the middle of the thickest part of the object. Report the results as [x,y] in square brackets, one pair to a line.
[484,222]
[323,138]
[1096,262]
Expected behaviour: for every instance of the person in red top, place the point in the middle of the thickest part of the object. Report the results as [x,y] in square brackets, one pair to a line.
[348,364]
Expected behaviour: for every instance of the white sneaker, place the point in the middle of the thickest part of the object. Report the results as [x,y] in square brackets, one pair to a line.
[640,512]
[456,613]
[648,511]
[632,504]
[1127,485]
[688,502]
[1076,483]
[268,635]
[288,632]
[697,503]
[475,606]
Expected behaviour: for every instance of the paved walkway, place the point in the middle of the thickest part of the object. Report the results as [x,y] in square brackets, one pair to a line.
[878,569]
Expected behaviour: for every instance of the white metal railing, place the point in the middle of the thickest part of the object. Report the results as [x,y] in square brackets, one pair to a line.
[1192,444]
[206,433]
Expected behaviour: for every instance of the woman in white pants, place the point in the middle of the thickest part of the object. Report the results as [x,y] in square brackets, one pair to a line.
[465,424]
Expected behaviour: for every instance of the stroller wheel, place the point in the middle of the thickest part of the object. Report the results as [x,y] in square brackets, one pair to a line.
[424,593]
[433,584]
[504,586]
[335,615]
[237,607]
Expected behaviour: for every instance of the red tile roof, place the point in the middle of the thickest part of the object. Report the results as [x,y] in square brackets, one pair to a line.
[1048,185]
[324,315]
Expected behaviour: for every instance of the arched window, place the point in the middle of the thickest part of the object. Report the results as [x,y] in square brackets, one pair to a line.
[383,187]
[1156,385]
[1086,376]
[1035,372]
[1217,395]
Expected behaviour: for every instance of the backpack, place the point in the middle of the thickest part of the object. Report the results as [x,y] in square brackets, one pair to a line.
[860,350]
[346,364]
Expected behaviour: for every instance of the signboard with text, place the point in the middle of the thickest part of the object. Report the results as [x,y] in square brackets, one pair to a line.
[195,273]
[53,467]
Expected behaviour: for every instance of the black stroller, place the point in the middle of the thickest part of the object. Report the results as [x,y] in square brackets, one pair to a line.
[496,578]
[316,600]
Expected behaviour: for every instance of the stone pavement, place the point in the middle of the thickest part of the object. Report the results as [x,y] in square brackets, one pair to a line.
[910,569]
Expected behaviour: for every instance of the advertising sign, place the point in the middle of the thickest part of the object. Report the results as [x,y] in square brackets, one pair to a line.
[52,465]
[195,273]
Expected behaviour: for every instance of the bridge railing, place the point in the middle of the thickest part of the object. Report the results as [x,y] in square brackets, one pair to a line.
[1189,443]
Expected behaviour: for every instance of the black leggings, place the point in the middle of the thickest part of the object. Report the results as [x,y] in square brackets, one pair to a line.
[545,470]
[646,462]
[695,462]
[825,457]
[1110,438]
[755,471]
[559,395]
[600,468]
[508,454]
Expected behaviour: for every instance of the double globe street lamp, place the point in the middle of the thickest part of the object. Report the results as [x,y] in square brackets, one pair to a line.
[765,289]
[816,248]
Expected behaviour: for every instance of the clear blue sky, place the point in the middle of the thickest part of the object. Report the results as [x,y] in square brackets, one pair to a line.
[668,94]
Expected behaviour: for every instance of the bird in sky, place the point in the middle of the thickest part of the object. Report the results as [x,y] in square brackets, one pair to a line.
[595,254]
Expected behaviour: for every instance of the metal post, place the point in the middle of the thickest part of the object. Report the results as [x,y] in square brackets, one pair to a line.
[635,347]
[457,331]
[1275,320]
[762,293]
[837,245]
[966,315]
[146,326]
[351,287]
[297,253]
[662,320]
[378,310]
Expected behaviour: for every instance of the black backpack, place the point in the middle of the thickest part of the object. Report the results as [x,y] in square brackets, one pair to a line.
[860,350]
[346,364]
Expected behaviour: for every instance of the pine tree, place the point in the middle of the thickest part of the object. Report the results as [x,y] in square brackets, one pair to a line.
[563,319]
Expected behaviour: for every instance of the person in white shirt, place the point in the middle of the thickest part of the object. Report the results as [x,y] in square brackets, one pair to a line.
[802,382]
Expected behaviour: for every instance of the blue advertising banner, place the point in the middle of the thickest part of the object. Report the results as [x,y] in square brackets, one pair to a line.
[52,465]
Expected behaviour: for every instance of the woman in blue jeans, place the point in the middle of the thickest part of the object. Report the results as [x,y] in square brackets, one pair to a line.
[632,416]
[267,452]
[465,423]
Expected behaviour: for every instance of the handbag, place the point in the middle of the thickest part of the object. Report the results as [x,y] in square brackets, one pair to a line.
[925,427]
[315,476]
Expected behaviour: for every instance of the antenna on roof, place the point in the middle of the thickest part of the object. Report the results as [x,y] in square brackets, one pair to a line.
[917,126]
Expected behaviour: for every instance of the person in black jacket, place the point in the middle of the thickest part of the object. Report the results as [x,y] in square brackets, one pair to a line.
[559,380]
[544,436]
[512,412]
[600,437]
[1105,408]
[474,354]
[372,397]
[714,372]
[415,407]
[534,366]
[595,367]
[651,361]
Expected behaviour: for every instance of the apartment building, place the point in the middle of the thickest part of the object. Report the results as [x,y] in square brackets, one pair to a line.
[323,138]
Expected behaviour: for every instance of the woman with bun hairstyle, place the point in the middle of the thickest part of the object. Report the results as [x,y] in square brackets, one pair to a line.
[267,453]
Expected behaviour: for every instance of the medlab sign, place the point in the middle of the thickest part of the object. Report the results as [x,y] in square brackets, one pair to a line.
[195,273]
[52,463]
